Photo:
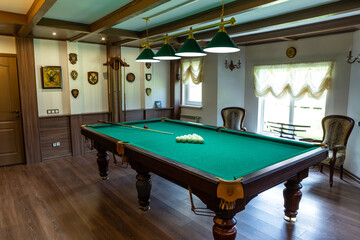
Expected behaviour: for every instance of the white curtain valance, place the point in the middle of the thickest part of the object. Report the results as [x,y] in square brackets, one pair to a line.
[295,79]
[192,68]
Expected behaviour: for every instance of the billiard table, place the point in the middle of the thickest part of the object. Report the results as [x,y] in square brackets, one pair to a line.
[225,172]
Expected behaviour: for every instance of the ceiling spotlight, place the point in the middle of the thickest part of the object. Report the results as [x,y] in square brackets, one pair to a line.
[54,33]
[103,39]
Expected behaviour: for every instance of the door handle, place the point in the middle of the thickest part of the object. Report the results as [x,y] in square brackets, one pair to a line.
[17,112]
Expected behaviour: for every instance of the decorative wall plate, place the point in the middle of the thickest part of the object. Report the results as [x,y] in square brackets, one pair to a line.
[93,77]
[291,52]
[130,77]
[148,76]
[74,74]
[148,65]
[148,91]
[75,93]
[73,58]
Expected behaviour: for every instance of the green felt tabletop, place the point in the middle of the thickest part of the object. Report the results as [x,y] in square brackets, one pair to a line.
[227,154]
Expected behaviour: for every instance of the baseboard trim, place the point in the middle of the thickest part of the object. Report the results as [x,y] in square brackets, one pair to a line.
[351,175]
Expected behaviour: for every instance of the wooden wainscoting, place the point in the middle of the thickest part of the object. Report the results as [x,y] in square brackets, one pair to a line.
[66,130]
[52,130]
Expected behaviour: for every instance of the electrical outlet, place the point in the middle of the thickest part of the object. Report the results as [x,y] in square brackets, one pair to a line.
[48,111]
[58,144]
[56,110]
[54,144]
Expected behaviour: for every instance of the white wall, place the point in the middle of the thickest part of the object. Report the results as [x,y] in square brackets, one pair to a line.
[221,87]
[7,45]
[352,162]
[136,97]
[92,98]
[51,53]
[332,47]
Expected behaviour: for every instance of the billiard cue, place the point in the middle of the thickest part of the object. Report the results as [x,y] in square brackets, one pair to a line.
[124,94]
[124,125]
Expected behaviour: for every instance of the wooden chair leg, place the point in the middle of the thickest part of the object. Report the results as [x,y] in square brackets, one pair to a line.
[332,168]
[341,171]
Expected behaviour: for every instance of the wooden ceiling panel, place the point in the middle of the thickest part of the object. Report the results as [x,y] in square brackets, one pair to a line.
[47,33]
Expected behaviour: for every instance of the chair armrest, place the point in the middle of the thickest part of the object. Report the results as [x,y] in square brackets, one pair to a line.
[338,148]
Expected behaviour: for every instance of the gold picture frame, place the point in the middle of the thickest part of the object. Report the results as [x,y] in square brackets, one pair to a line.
[51,77]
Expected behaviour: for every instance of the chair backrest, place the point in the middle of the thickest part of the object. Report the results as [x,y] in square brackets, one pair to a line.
[233,117]
[337,129]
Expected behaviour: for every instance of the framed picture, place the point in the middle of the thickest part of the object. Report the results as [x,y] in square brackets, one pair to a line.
[51,77]
[157,104]
[93,77]
[148,76]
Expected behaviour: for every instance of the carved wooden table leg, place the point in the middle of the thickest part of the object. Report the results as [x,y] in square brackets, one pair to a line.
[103,164]
[224,229]
[292,196]
[143,186]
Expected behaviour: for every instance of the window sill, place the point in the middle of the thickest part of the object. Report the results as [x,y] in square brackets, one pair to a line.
[191,106]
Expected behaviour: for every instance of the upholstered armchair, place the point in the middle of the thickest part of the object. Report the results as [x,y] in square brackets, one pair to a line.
[233,118]
[336,132]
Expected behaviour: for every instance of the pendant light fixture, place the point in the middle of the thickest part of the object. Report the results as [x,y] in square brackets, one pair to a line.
[166,52]
[222,43]
[147,54]
[190,48]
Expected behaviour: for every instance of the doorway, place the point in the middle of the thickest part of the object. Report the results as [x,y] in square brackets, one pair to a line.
[11,136]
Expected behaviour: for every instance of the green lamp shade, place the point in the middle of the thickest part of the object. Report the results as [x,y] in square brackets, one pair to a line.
[190,48]
[221,43]
[146,56]
[166,52]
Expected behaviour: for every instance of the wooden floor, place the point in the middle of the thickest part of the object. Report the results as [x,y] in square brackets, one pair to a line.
[63,199]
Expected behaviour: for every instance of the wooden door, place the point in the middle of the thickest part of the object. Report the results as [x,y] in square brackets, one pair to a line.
[11,137]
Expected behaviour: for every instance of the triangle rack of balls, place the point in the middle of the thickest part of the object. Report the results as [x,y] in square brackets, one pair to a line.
[190,138]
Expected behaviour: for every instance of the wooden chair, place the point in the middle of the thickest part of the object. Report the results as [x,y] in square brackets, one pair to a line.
[233,118]
[336,132]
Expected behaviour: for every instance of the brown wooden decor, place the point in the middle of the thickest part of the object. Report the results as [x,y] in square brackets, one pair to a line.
[51,77]
[148,91]
[148,65]
[148,76]
[75,93]
[73,58]
[130,77]
[291,52]
[93,77]
[74,74]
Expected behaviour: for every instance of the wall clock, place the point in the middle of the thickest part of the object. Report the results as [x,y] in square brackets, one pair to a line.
[291,52]
[74,74]
[93,77]
[130,77]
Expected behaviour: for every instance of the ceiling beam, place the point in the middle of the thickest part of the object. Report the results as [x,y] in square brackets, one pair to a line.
[122,33]
[332,8]
[320,28]
[60,24]
[206,16]
[130,10]
[37,10]
[13,18]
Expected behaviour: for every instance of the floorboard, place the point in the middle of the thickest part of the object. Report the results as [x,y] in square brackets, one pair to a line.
[64,199]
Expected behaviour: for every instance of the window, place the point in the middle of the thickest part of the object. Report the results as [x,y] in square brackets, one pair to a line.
[306,111]
[191,70]
[293,94]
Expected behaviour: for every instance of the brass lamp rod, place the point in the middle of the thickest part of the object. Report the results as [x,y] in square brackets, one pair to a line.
[232,21]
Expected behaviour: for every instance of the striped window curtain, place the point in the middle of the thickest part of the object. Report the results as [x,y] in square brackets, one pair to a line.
[192,68]
[294,79]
